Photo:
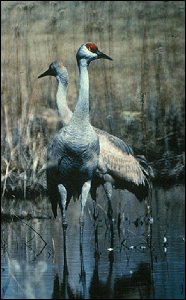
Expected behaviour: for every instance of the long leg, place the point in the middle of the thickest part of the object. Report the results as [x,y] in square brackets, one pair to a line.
[108,191]
[83,273]
[84,195]
[63,201]
[65,271]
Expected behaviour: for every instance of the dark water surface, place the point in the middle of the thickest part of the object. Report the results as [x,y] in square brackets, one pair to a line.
[140,257]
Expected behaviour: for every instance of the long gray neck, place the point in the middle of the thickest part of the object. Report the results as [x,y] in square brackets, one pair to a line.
[81,113]
[61,100]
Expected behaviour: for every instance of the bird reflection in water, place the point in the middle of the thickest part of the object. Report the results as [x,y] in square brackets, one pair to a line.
[137,284]
[64,290]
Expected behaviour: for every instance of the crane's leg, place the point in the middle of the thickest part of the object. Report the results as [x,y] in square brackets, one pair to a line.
[63,201]
[83,273]
[84,195]
[108,191]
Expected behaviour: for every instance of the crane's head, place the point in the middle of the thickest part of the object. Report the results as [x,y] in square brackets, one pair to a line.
[56,69]
[88,52]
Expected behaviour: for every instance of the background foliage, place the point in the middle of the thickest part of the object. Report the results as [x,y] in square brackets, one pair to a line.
[139,96]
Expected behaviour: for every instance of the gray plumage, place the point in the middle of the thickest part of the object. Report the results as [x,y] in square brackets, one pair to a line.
[118,167]
[72,155]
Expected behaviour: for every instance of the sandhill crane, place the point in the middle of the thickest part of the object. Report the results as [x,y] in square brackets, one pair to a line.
[58,70]
[72,154]
[118,167]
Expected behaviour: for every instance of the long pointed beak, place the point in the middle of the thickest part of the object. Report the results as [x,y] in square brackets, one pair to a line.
[103,55]
[47,73]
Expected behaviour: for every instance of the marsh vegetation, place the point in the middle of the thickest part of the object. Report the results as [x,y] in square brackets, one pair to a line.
[139,97]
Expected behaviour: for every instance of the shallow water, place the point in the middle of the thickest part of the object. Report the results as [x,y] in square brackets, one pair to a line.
[140,257]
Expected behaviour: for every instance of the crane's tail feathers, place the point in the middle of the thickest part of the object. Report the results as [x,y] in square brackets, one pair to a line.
[149,175]
[147,169]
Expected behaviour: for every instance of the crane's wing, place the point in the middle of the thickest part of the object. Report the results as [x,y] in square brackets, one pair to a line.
[113,140]
[126,171]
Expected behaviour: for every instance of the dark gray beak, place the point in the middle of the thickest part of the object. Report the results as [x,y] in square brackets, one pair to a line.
[102,55]
[47,73]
